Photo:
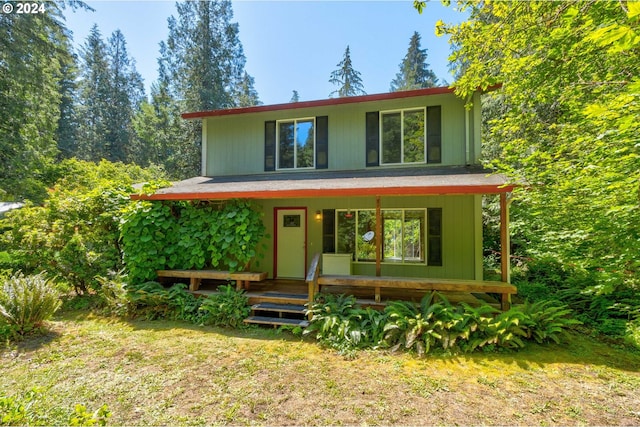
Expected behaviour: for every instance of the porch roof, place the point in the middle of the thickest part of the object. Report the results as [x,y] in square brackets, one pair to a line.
[369,182]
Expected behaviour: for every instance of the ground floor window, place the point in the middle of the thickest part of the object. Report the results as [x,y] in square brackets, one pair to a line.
[405,237]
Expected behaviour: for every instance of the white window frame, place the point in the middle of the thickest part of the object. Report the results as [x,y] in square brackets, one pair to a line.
[295,146]
[398,261]
[424,142]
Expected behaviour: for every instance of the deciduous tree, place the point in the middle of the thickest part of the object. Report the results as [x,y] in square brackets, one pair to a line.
[570,122]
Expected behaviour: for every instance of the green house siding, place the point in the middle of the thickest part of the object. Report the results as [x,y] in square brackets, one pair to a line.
[461,233]
[235,144]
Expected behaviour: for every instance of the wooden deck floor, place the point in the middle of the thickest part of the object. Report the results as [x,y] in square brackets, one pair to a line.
[299,287]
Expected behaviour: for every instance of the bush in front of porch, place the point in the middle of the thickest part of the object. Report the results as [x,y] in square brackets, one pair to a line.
[340,323]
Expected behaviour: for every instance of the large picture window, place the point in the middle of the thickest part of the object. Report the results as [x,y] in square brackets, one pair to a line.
[403,235]
[296,144]
[403,136]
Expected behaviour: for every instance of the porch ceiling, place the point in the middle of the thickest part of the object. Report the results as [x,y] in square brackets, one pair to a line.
[370,182]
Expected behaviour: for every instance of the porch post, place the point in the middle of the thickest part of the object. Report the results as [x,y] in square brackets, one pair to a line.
[505,246]
[378,238]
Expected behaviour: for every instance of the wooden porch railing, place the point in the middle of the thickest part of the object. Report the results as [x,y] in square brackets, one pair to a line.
[312,279]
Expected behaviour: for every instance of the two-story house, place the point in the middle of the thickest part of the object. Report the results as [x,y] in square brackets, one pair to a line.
[387,184]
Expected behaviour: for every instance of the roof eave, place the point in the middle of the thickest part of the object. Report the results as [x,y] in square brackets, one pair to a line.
[317,193]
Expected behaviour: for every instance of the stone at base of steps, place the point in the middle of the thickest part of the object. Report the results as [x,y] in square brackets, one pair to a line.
[276,321]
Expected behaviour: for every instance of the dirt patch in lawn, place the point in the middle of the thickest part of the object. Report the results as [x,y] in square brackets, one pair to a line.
[173,373]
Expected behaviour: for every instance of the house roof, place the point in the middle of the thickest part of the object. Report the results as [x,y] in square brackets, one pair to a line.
[369,182]
[319,103]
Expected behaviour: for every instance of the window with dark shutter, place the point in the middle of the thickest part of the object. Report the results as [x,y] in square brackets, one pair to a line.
[373,139]
[269,146]
[434,134]
[322,142]
[328,231]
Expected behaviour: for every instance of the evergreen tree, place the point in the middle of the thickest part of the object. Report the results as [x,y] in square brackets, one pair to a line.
[111,90]
[159,129]
[245,93]
[414,70]
[93,97]
[126,92]
[348,79]
[33,49]
[204,61]
[295,97]
[67,132]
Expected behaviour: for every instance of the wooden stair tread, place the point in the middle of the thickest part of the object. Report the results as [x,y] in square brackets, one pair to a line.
[278,321]
[282,308]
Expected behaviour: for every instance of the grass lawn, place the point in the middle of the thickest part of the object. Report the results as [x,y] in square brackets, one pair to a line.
[161,372]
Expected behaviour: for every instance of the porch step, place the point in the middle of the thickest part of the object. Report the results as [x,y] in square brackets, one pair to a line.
[276,321]
[279,308]
[276,298]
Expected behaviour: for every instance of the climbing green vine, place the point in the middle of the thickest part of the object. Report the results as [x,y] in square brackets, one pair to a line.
[187,235]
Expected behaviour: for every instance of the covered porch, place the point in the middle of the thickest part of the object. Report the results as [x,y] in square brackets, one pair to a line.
[455,191]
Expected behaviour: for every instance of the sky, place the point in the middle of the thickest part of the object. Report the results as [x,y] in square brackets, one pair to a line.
[290,45]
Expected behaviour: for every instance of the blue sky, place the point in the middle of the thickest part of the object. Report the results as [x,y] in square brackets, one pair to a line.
[290,45]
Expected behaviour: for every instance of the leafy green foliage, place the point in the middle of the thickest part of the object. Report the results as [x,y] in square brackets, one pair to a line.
[114,294]
[435,323]
[75,234]
[182,235]
[228,307]
[340,323]
[24,410]
[565,122]
[26,302]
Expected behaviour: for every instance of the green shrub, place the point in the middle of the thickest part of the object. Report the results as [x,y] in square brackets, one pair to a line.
[435,323]
[153,301]
[113,293]
[27,301]
[75,234]
[150,300]
[340,323]
[227,307]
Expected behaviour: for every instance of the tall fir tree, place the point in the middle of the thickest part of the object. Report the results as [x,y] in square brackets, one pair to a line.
[158,127]
[204,62]
[126,92]
[34,49]
[348,79]
[414,69]
[111,90]
[67,132]
[93,96]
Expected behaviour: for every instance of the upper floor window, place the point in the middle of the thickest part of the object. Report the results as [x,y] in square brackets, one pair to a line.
[296,143]
[409,136]
[403,136]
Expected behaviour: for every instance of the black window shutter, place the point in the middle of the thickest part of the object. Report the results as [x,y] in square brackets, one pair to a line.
[269,146]
[434,134]
[373,139]
[322,142]
[328,231]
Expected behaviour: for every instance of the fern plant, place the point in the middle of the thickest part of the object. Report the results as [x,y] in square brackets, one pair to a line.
[412,327]
[26,302]
[340,323]
[228,307]
[547,321]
